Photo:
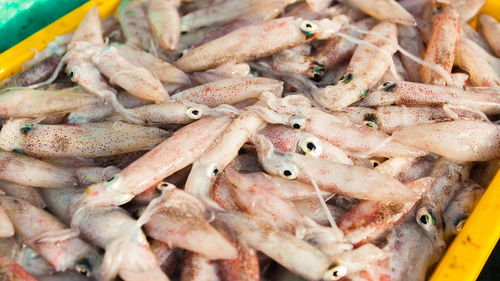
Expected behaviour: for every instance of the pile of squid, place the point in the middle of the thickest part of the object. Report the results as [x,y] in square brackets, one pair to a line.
[249,140]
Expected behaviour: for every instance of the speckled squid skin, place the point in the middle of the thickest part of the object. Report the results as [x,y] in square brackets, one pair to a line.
[412,254]
[173,154]
[256,201]
[245,267]
[449,178]
[14,167]
[356,137]
[252,11]
[230,90]
[460,140]
[460,208]
[283,188]
[89,29]
[36,73]
[442,45]
[289,139]
[296,255]
[11,271]
[166,72]
[127,252]
[31,223]
[339,49]
[133,19]
[384,10]
[88,139]
[6,227]
[30,194]
[196,267]
[369,220]
[137,81]
[352,181]
[366,67]
[220,154]
[483,68]
[180,222]
[251,42]
[27,103]
[390,118]
[165,22]
[490,29]
[416,94]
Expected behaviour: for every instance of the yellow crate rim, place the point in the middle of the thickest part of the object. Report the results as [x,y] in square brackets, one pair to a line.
[467,254]
[11,61]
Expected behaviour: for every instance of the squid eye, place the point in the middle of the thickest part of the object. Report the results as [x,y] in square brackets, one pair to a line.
[165,186]
[194,113]
[371,123]
[335,273]
[438,8]
[212,170]
[289,171]
[375,163]
[298,122]
[346,78]
[389,86]
[83,267]
[317,72]
[112,178]
[18,151]
[425,219]
[308,27]
[26,128]
[311,146]
[459,223]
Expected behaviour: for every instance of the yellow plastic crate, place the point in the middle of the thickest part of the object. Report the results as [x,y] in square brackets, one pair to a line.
[467,254]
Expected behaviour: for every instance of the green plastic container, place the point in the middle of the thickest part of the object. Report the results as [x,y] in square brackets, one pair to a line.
[21,18]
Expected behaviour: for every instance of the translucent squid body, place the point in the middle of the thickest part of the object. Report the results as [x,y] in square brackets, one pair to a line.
[461,140]
[127,251]
[490,29]
[415,94]
[40,231]
[135,27]
[230,91]
[165,22]
[359,139]
[459,209]
[166,72]
[483,68]
[369,220]
[180,222]
[177,112]
[78,140]
[87,58]
[353,181]
[28,103]
[173,154]
[252,11]
[288,139]
[442,45]
[258,40]
[217,157]
[429,214]
[196,267]
[384,10]
[42,174]
[366,68]
[291,252]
